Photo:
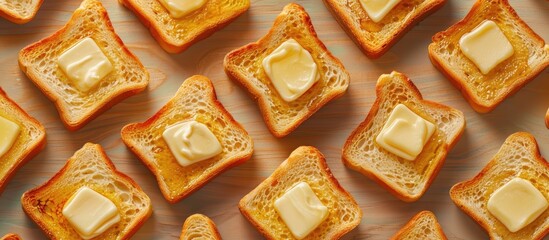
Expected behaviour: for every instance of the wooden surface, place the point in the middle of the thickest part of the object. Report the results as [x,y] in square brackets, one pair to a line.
[326,130]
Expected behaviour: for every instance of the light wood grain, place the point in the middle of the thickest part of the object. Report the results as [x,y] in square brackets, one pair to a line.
[327,130]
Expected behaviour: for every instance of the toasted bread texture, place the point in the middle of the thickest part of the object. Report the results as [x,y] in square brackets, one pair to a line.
[88,167]
[244,65]
[195,100]
[19,11]
[198,226]
[305,164]
[407,180]
[39,62]
[374,39]
[518,157]
[10,236]
[30,141]
[486,92]
[423,225]
[177,34]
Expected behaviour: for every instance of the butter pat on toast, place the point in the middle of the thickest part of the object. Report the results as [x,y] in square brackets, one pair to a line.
[376,38]
[39,62]
[484,92]
[518,157]
[245,66]
[194,101]
[198,226]
[19,11]
[30,140]
[423,225]
[175,34]
[304,165]
[88,167]
[407,180]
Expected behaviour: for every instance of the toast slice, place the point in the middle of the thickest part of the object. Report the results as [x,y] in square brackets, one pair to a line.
[19,11]
[518,157]
[376,38]
[88,167]
[76,108]
[31,139]
[198,226]
[407,180]
[10,236]
[244,66]
[305,164]
[195,100]
[486,92]
[423,225]
[177,34]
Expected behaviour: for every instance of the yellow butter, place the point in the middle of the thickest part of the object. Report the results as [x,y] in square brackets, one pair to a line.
[180,8]
[301,210]
[486,46]
[85,64]
[90,213]
[191,142]
[378,9]
[9,132]
[291,69]
[405,133]
[517,203]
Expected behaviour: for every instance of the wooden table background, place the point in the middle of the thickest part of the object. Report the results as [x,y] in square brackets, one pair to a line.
[326,130]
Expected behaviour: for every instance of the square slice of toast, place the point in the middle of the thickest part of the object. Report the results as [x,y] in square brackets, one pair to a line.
[423,225]
[177,34]
[31,139]
[195,100]
[10,236]
[407,180]
[519,156]
[76,108]
[89,167]
[19,11]
[376,38]
[486,92]
[244,65]
[198,226]
[305,164]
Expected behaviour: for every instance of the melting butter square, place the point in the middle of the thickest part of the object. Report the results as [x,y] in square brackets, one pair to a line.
[378,9]
[180,8]
[405,133]
[301,210]
[9,131]
[191,142]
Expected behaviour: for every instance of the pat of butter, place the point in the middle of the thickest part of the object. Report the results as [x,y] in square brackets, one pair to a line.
[517,203]
[191,142]
[378,9]
[291,69]
[180,8]
[9,131]
[85,64]
[90,213]
[405,133]
[301,210]
[486,46]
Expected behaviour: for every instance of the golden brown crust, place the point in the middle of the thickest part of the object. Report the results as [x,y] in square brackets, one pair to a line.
[129,130]
[11,236]
[438,160]
[503,7]
[31,150]
[158,31]
[263,43]
[17,18]
[495,174]
[117,95]
[344,19]
[212,228]
[547,118]
[295,157]
[413,223]
[37,212]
